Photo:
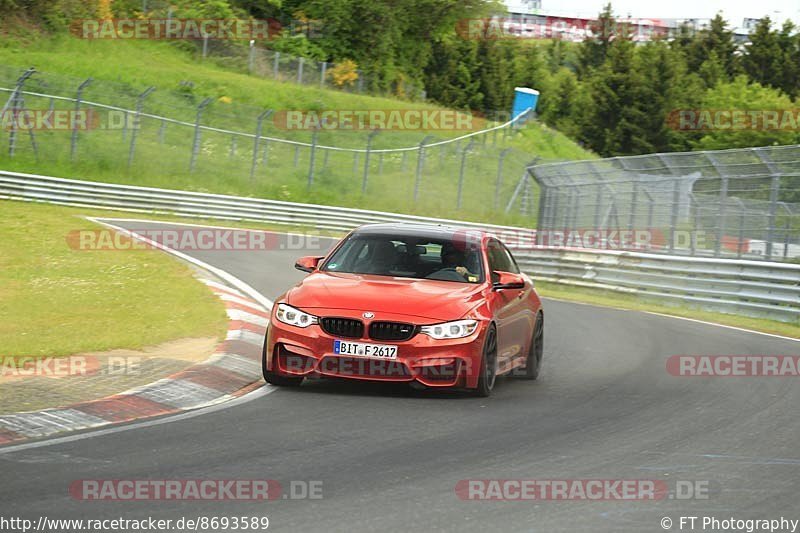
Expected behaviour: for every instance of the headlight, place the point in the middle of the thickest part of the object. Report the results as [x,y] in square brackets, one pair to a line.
[294,317]
[451,330]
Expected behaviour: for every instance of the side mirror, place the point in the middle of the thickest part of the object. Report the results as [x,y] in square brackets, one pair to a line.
[508,281]
[308,264]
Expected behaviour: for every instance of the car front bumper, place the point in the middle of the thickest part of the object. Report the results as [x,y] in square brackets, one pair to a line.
[309,352]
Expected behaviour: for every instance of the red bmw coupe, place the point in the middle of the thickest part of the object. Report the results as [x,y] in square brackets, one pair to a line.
[430,305]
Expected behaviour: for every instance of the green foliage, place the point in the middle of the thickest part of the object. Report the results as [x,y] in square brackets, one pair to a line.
[606,92]
[741,94]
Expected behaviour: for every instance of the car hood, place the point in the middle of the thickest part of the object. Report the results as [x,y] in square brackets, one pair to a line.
[435,300]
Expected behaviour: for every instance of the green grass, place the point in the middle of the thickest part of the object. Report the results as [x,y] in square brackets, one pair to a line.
[606,298]
[123,68]
[58,301]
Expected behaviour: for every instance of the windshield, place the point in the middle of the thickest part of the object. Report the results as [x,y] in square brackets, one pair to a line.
[407,257]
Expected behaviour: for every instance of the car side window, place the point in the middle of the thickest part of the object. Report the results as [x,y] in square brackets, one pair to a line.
[498,261]
[513,267]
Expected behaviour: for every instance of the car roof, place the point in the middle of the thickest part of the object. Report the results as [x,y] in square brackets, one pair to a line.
[422,230]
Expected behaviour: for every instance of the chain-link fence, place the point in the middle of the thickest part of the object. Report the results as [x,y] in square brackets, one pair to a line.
[743,203]
[177,139]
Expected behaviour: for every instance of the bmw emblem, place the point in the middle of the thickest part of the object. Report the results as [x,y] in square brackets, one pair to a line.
[368,315]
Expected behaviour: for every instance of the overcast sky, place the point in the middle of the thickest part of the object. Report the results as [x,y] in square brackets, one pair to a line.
[733,10]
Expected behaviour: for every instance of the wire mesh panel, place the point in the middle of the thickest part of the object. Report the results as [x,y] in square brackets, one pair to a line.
[743,202]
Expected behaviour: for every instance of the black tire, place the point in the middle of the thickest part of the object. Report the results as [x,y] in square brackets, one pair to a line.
[533,364]
[276,379]
[488,375]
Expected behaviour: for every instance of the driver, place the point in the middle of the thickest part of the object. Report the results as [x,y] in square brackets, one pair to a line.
[455,259]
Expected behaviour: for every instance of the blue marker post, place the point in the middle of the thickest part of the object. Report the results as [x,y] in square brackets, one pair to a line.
[524,99]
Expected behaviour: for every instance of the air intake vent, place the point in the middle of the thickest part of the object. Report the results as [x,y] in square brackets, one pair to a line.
[343,327]
[392,331]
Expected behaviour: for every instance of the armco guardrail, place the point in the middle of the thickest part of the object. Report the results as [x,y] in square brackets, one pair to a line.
[752,288]
[202,205]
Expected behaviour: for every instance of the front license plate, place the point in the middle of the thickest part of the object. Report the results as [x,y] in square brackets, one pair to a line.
[357,349]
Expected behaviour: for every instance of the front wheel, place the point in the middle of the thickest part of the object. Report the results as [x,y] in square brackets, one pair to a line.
[533,364]
[276,379]
[488,375]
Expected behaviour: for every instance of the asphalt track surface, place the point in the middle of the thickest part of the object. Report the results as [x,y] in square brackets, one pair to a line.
[389,459]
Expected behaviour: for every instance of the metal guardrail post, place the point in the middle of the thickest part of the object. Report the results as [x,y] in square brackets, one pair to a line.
[420,165]
[462,170]
[78,97]
[673,219]
[741,227]
[300,65]
[650,208]
[276,65]
[693,235]
[197,134]
[312,157]
[721,214]
[598,204]
[367,154]
[232,151]
[774,191]
[259,130]
[786,230]
[251,57]
[499,181]
[323,71]
[722,206]
[15,104]
[634,205]
[137,121]
[540,224]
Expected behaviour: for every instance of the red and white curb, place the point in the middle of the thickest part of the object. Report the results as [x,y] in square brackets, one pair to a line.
[232,371]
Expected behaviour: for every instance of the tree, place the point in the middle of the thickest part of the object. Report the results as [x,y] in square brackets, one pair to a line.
[717,38]
[595,47]
[614,123]
[659,68]
[741,94]
[762,62]
[789,44]
[451,77]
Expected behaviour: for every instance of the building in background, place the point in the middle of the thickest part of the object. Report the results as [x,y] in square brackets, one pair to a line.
[529,19]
